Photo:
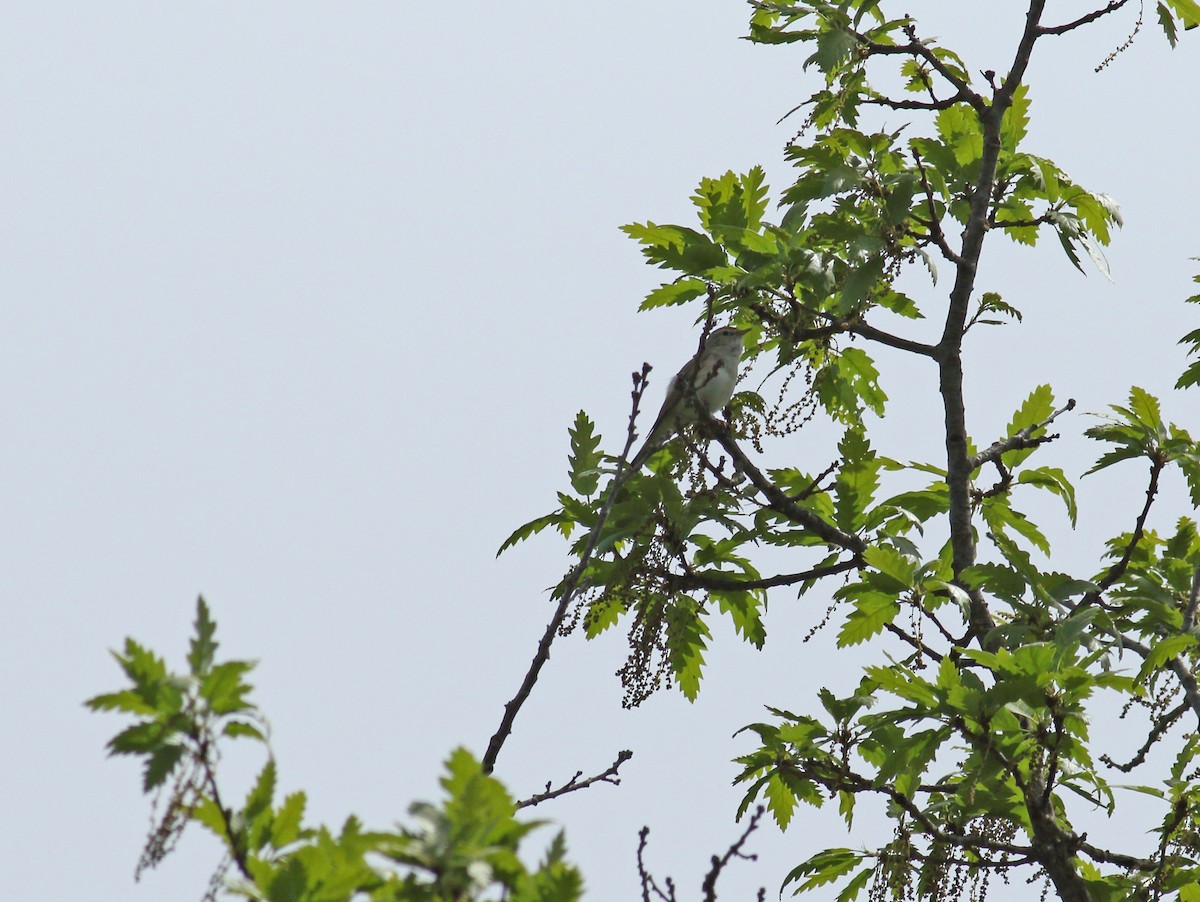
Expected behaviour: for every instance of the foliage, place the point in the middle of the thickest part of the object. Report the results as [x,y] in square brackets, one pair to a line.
[969,730]
[970,725]
[463,849]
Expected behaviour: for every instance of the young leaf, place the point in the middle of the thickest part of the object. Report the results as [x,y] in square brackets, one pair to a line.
[203,645]
[533,527]
[585,456]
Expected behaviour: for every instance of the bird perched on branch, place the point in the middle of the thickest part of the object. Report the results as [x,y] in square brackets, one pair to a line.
[704,385]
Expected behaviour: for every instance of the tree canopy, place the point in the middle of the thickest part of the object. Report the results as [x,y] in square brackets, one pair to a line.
[969,729]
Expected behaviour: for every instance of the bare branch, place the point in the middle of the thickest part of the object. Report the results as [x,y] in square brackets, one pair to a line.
[1116,571]
[735,851]
[934,225]
[778,500]
[1020,440]
[648,884]
[836,325]
[1018,223]
[1112,7]
[575,784]
[1161,725]
[893,104]
[836,776]
[722,582]
[916,643]
[569,586]
[917,50]
[1189,612]
[1123,861]
[892,341]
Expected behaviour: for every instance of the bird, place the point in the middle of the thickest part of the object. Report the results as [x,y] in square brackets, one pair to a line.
[705,383]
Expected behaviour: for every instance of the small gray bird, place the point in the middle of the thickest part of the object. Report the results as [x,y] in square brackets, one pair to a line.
[706,381]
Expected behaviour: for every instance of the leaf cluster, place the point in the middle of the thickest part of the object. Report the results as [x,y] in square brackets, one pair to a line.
[465,848]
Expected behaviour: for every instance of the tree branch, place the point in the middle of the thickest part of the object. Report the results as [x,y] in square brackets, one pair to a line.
[575,784]
[735,851]
[842,778]
[570,584]
[934,225]
[717,581]
[1020,440]
[1112,7]
[1161,725]
[893,104]
[892,341]
[917,50]
[1189,611]
[920,647]
[777,499]
[1117,570]
[1179,667]
[1122,861]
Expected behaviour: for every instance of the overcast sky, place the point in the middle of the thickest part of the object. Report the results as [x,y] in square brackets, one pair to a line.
[300,300]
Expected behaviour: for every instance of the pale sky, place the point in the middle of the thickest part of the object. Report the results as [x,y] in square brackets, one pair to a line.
[300,301]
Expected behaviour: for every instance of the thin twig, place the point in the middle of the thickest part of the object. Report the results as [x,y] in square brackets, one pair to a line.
[1161,725]
[648,884]
[735,851]
[934,225]
[777,499]
[917,50]
[1189,612]
[237,850]
[1021,440]
[722,582]
[1117,570]
[1112,7]
[892,341]
[569,586]
[575,784]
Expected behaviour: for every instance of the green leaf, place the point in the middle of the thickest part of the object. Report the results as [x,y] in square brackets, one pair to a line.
[855,886]
[160,764]
[872,612]
[1054,480]
[290,882]
[141,738]
[745,609]
[237,729]
[585,455]
[824,867]
[959,128]
[847,383]
[533,527]
[1016,119]
[781,802]
[675,247]
[286,826]
[207,814]
[256,813]
[224,688]
[1035,409]
[1187,11]
[674,293]
[890,563]
[1163,651]
[686,635]
[203,646]
[602,614]
[857,479]
[833,46]
[1167,21]
[125,700]
[1002,518]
